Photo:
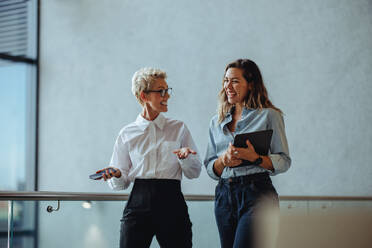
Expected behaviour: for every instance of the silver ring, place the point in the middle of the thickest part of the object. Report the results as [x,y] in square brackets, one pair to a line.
[235,152]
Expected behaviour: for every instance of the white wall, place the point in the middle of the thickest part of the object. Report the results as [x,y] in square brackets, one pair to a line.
[315,56]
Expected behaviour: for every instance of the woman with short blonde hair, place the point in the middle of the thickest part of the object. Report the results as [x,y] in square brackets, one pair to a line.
[154,152]
[144,78]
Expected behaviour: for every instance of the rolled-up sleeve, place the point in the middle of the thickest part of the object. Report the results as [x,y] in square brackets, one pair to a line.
[279,152]
[120,159]
[191,166]
[211,154]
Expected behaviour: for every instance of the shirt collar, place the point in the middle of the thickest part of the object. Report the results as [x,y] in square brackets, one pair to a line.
[142,123]
[228,117]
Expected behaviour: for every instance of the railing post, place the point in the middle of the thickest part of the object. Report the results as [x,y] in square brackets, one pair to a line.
[10,224]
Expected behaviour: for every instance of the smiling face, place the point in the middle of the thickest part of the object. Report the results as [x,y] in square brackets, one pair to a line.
[153,101]
[236,86]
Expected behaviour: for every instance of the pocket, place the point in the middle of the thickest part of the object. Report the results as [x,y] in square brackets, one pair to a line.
[138,200]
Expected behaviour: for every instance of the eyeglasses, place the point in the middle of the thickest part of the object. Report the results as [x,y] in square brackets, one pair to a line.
[162,91]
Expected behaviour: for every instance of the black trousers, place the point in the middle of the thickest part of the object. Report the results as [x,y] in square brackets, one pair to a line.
[156,207]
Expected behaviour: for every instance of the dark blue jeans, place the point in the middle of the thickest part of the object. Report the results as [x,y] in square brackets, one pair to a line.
[238,200]
[156,207]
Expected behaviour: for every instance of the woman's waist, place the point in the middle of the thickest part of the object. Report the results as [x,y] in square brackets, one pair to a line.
[249,170]
[247,178]
[152,171]
[156,185]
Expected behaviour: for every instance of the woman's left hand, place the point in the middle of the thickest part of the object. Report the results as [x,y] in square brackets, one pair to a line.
[183,152]
[248,153]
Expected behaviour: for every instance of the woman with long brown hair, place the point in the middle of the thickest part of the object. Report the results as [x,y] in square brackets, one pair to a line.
[244,107]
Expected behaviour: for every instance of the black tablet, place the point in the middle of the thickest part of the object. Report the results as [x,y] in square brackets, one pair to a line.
[260,140]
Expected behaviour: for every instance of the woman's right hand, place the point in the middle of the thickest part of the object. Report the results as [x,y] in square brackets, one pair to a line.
[107,175]
[229,159]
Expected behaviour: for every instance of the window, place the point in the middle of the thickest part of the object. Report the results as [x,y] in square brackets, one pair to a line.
[18,115]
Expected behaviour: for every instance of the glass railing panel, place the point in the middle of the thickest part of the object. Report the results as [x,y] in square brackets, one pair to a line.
[293,207]
[19,226]
[334,207]
[79,224]
[18,242]
[325,223]
[303,223]
[99,225]
[204,227]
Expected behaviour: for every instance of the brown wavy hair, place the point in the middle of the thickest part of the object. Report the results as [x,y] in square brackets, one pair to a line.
[257,98]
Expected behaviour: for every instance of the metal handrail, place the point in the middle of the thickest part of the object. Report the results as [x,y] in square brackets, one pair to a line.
[83,196]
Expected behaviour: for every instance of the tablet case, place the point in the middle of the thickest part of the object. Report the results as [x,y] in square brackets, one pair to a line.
[260,140]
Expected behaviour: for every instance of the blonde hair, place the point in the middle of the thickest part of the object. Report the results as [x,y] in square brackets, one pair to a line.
[143,79]
[257,98]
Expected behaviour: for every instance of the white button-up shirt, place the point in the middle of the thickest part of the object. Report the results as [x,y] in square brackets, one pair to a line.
[144,149]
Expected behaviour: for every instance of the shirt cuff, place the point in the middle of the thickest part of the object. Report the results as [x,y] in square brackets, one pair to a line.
[118,183]
[186,161]
[210,170]
[191,166]
[280,165]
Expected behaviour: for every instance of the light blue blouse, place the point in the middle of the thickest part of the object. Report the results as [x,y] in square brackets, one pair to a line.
[252,120]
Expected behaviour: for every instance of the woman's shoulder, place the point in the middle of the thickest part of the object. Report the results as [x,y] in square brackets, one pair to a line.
[273,116]
[128,128]
[270,112]
[133,126]
[174,123]
[214,121]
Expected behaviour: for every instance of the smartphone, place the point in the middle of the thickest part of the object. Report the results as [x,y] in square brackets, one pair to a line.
[99,175]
